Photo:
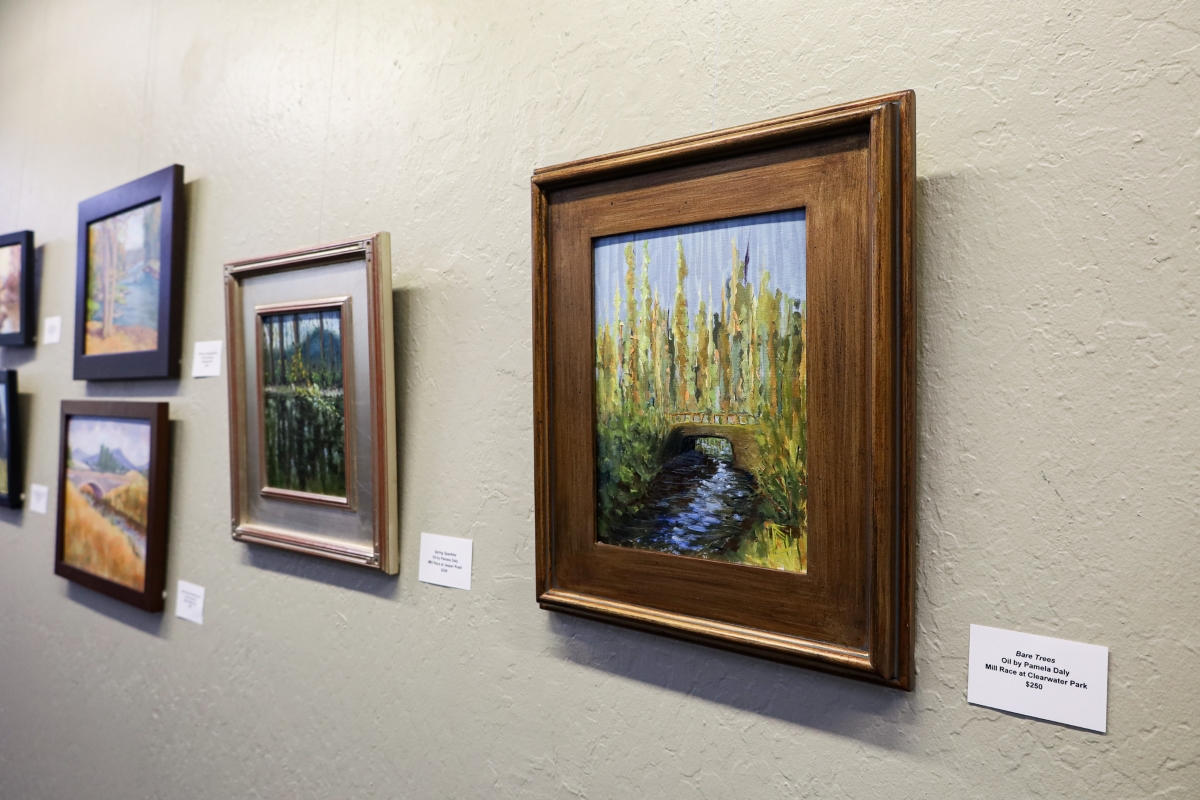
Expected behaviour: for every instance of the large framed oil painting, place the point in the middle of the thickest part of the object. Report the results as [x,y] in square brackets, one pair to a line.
[312,402]
[16,289]
[12,481]
[723,388]
[112,499]
[129,280]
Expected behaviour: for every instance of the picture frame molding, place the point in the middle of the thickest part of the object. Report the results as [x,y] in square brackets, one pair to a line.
[383,554]
[884,602]
[166,186]
[153,594]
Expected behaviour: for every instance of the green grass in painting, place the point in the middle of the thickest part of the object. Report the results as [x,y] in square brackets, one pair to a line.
[304,418]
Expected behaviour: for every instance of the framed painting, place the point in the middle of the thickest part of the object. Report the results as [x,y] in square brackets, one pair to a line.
[16,289]
[129,280]
[12,481]
[312,402]
[112,499]
[723,334]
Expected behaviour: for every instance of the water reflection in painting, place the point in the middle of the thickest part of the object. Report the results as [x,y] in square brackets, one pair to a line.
[701,396]
[123,280]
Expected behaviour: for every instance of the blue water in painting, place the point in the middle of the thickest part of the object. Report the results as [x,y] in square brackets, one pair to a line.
[141,302]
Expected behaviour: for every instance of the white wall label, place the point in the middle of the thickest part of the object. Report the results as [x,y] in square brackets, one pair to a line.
[206,360]
[39,496]
[445,560]
[189,602]
[1039,676]
[52,330]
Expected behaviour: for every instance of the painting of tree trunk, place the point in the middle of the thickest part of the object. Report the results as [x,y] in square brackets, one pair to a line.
[304,401]
[123,280]
[701,396]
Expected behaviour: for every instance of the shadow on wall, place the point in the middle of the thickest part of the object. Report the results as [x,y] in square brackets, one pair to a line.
[875,715]
[144,621]
[335,573]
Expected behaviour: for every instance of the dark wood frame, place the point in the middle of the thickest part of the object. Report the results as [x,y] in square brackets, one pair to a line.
[851,167]
[375,251]
[13,494]
[166,185]
[342,305]
[153,593]
[24,337]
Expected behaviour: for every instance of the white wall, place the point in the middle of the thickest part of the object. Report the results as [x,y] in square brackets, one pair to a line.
[1059,480]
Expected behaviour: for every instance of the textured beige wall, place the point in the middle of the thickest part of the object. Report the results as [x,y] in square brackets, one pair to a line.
[1059,487]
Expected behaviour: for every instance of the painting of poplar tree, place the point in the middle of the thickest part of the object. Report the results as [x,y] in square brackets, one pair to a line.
[701,393]
[123,279]
[303,402]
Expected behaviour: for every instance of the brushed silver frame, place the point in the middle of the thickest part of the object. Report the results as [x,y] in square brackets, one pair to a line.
[375,251]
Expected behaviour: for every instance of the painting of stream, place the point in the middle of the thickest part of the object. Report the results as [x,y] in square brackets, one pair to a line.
[701,393]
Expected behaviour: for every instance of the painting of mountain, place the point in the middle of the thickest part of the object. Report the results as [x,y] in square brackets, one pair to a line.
[106,498]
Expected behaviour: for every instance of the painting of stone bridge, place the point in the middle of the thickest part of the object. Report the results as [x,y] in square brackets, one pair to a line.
[701,393]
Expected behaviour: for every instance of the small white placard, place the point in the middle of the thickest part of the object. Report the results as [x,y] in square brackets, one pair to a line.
[39,496]
[189,602]
[445,560]
[52,330]
[206,360]
[1039,676]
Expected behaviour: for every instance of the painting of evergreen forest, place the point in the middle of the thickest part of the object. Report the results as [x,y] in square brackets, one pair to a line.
[106,498]
[701,395]
[303,401]
[123,279]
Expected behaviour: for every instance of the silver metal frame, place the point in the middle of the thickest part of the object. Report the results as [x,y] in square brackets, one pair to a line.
[375,252]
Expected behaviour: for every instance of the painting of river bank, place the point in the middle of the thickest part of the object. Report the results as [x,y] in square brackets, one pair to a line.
[303,402]
[124,263]
[701,395]
[106,498]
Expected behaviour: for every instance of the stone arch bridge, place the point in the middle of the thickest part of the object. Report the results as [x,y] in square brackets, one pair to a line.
[734,427]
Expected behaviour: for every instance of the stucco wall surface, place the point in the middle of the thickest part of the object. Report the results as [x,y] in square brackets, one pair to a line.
[1058,413]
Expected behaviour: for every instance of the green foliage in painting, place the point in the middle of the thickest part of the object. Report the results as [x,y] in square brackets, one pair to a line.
[304,402]
[740,360]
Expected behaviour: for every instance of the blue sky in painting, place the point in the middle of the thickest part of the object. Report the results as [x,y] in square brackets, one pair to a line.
[777,242]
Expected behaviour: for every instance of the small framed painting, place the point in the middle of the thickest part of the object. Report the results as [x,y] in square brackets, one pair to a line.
[723,388]
[112,499]
[12,482]
[129,280]
[16,289]
[312,402]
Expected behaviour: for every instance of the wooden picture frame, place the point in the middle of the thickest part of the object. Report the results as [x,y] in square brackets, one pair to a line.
[846,604]
[113,482]
[129,280]
[12,479]
[17,326]
[312,402]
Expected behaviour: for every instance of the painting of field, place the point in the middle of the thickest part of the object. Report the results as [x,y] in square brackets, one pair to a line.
[106,498]
[303,401]
[10,288]
[701,393]
[123,278]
